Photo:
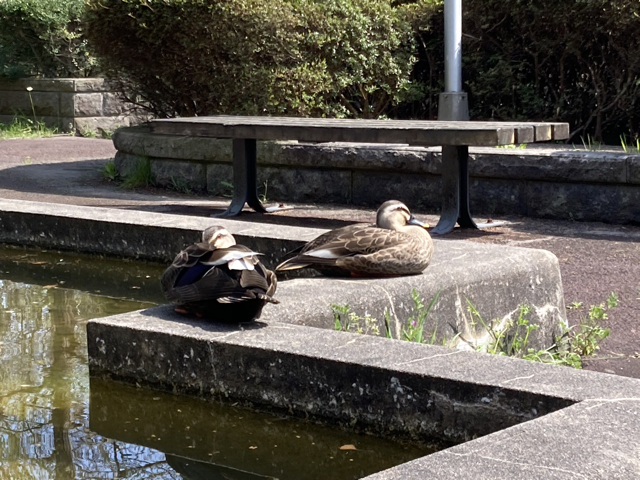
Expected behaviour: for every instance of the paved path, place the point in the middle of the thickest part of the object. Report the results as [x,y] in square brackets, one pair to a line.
[595,258]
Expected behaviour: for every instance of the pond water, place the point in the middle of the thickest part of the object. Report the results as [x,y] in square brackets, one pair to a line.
[56,423]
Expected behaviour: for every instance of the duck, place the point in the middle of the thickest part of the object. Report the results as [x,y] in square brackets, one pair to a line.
[398,244]
[219,280]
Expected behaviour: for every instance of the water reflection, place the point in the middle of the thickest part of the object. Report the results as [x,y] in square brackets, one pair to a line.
[54,424]
[44,383]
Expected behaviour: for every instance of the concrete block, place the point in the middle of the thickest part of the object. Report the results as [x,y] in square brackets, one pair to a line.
[345,379]
[521,419]
[460,273]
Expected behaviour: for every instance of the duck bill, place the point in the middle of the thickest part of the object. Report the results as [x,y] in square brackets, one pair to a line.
[414,221]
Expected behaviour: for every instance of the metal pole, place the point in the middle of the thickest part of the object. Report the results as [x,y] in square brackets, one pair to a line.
[453,103]
[453,45]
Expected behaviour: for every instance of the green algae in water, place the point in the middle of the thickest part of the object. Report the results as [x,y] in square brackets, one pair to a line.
[57,424]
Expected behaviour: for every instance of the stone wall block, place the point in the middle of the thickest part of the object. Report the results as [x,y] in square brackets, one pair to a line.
[358,156]
[126,164]
[220,179]
[633,165]
[13,102]
[99,124]
[112,105]
[180,176]
[38,84]
[494,196]
[88,105]
[83,85]
[304,185]
[579,166]
[584,202]
[417,191]
[45,103]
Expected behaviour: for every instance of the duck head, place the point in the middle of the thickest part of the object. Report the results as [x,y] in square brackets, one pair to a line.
[218,237]
[394,215]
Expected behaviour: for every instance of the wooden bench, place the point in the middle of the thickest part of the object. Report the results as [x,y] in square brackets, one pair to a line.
[454,137]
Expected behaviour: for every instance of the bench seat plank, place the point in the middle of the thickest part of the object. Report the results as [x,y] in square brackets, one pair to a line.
[411,132]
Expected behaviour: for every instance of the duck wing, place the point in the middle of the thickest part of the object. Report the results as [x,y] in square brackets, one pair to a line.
[225,275]
[344,242]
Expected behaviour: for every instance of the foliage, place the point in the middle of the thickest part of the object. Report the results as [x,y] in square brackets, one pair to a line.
[43,37]
[575,343]
[509,338]
[259,57]
[570,61]
[347,321]
[24,127]
[413,331]
[110,172]
[573,61]
[141,175]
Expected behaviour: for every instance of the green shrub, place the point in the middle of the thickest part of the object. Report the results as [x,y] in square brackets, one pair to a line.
[43,37]
[571,60]
[279,57]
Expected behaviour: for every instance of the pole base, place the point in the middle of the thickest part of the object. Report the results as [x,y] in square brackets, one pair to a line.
[453,106]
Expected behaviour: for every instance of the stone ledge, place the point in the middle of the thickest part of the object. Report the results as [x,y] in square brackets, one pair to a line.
[573,420]
[541,163]
[498,281]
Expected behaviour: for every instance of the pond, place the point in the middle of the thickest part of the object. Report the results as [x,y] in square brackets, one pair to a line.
[57,423]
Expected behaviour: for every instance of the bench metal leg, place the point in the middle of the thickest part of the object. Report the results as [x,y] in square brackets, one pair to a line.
[244,178]
[455,190]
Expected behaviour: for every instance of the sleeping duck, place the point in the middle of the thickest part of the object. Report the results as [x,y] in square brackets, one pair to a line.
[219,280]
[398,244]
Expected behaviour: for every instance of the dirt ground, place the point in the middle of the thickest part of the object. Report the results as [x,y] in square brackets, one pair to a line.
[595,258]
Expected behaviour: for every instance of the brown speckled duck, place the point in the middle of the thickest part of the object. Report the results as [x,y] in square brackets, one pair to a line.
[398,244]
[219,280]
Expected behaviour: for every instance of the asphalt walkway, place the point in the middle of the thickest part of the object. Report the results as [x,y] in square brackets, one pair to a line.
[595,258]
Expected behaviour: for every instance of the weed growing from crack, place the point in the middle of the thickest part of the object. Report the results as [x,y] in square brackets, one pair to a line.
[508,339]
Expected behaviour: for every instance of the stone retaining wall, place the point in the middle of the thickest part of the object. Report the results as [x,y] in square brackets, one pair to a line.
[79,105]
[549,181]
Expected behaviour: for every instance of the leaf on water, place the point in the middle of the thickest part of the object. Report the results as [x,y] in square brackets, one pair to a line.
[348,447]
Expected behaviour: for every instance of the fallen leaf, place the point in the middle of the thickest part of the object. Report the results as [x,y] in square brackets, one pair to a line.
[348,447]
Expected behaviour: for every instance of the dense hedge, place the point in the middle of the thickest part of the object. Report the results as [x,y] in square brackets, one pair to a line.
[573,60]
[43,37]
[285,57]
[569,60]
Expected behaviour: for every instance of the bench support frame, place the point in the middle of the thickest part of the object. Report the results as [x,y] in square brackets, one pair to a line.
[455,190]
[245,189]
